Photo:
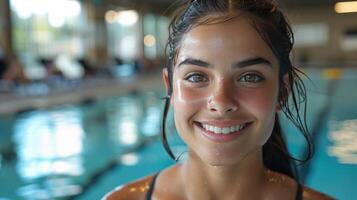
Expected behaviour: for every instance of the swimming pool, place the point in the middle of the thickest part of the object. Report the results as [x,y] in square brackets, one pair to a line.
[82,151]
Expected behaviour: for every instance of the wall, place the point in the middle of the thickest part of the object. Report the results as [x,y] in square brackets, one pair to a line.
[330,53]
[5,23]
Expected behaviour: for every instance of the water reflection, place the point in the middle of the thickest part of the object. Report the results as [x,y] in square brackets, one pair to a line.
[129,159]
[152,118]
[59,149]
[151,122]
[49,143]
[133,117]
[127,132]
[343,136]
[50,189]
[124,117]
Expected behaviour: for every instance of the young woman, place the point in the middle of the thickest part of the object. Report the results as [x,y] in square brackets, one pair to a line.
[228,75]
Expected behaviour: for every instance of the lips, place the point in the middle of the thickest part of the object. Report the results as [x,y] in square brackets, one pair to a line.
[217,132]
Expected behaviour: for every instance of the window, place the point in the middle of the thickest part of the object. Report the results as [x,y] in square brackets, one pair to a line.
[311,34]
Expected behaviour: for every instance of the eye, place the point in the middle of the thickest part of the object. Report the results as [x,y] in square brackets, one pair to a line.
[251,78]
[196,78]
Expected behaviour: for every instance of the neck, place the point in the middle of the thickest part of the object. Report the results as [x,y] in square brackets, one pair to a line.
[203,181]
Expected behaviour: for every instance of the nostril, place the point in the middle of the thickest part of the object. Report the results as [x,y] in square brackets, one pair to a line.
[229,109]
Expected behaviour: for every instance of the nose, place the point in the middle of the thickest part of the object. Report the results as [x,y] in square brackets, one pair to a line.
[222,101]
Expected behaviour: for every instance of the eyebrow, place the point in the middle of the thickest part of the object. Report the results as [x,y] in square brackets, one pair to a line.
[198,62]
[253,61]
[239,64]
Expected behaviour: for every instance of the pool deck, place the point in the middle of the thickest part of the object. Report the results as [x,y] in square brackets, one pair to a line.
[91,89]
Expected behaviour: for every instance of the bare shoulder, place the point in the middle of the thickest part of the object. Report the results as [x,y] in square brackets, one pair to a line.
[310,194]
[286,187]
[132,191]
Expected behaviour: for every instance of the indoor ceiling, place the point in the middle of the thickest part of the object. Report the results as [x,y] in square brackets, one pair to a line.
[288,3]
[162,5]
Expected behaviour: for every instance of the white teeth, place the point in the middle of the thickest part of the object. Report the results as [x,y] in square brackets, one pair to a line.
[209,128]
[232,129]
[224,130]
[217,130]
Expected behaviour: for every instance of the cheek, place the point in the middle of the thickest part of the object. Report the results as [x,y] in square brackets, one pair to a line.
[187,99]
[189,96]
[185,103]
[261,102]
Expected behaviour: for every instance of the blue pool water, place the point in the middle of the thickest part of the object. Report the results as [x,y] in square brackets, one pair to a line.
[82,151]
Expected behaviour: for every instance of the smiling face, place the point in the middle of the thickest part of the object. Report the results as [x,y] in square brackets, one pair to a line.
[225,91]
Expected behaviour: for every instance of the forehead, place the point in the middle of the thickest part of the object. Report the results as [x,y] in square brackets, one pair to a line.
[235,38]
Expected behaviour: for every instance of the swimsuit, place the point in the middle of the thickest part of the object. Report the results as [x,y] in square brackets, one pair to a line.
[152,186]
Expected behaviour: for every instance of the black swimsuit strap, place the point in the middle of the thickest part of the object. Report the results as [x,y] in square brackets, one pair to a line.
[299,192]
[151,187]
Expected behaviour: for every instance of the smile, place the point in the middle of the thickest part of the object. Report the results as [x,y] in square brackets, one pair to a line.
[220,133]
[223,130]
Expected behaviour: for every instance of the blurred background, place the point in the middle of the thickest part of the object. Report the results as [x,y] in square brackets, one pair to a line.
[80,95]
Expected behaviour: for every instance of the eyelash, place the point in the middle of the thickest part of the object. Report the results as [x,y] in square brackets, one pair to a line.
[196,75]
[257,78]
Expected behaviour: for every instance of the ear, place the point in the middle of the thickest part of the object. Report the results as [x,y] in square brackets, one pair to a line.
[287,88]
[165,77]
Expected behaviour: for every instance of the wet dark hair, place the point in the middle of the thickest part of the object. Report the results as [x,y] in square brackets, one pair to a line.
[269,21]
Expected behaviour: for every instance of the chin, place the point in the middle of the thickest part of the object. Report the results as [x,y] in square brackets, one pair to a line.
[229,158]
[219,160]
[223,163]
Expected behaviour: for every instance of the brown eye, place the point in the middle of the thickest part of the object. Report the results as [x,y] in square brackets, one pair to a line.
[196,78]
[251,78]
